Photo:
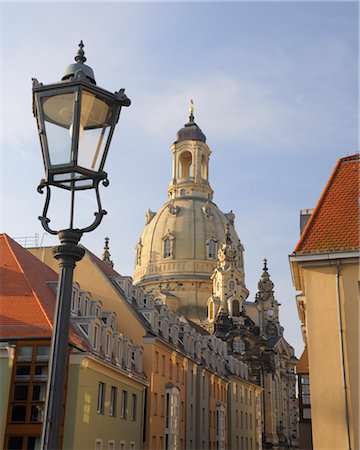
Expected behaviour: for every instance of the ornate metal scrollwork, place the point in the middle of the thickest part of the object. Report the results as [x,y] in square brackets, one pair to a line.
[99,214]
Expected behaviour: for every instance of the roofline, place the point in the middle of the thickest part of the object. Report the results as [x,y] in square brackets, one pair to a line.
[308,257]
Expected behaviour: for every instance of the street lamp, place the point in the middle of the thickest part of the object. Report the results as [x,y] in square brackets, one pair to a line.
[76,121]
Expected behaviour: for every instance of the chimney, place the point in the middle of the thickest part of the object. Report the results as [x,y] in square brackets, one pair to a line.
[305,215]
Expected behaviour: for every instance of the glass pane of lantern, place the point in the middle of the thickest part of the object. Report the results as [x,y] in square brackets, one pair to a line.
[58,118]
[94,131]
[91,147]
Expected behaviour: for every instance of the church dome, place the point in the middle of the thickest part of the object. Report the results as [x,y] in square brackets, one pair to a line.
[190,131]
[177,251]
[181,239]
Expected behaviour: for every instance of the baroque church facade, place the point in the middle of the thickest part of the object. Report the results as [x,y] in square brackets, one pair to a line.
[190,258]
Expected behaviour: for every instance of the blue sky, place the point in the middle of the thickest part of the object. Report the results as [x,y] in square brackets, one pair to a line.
[275,87]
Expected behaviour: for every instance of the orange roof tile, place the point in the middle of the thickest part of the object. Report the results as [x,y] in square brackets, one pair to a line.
[27,302]
[303,364]
[334,224]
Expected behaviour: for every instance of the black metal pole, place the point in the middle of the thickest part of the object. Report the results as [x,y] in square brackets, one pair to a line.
[68,253]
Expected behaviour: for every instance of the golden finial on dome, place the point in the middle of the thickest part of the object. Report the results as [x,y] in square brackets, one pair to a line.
[191,110]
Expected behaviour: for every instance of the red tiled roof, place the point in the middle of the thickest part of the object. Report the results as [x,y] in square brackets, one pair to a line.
[334,224]
[27,302]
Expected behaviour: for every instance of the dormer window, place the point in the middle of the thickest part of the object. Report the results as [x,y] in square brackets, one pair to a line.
[73,300]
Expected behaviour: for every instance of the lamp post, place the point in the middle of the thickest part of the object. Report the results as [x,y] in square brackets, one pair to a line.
[76,121]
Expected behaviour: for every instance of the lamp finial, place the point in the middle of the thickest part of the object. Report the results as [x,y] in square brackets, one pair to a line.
[80,57]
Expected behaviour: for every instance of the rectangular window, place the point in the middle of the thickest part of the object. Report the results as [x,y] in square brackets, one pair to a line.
[98,444]
[113,401]
[163,365]
[24,353]
[133,407]
[96,337]
[111,445]
[155,404]
[156,362]
[170,369]
[101,398]
[42,353]
[124,405]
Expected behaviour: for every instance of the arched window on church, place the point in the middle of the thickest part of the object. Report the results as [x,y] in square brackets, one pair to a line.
[211,311]
[185,167]
[204,168]
[168,246]
[138,253]
[236,308]
[212,247]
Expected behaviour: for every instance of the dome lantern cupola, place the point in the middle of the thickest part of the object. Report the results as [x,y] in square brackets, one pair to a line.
[190,172]
[190,130]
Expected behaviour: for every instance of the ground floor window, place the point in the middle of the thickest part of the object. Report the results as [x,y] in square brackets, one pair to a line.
[172,418]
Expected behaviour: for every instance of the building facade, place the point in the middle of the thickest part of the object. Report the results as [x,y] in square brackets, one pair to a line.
[325,269]
[104,367]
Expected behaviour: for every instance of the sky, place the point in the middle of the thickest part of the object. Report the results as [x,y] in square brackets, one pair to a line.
[275,89]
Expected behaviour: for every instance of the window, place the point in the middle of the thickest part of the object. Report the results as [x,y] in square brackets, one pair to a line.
[162,404]
[212,247]
[122,445]
[168,247]
[155,404]
[27,396]
[96,336]
[220,427]
[163,365]
[156,362]
[304,394]
[185,167]
[113,401]
[211,310]
[101,398]
[236,308]
[98,444]
[204,168]
[111,445]
[170,369]
[133,407]
[107,345]
[172,419]
[123,414]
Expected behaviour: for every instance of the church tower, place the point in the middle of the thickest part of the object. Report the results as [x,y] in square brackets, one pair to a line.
[177,251]
[229,291]
[268,306]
